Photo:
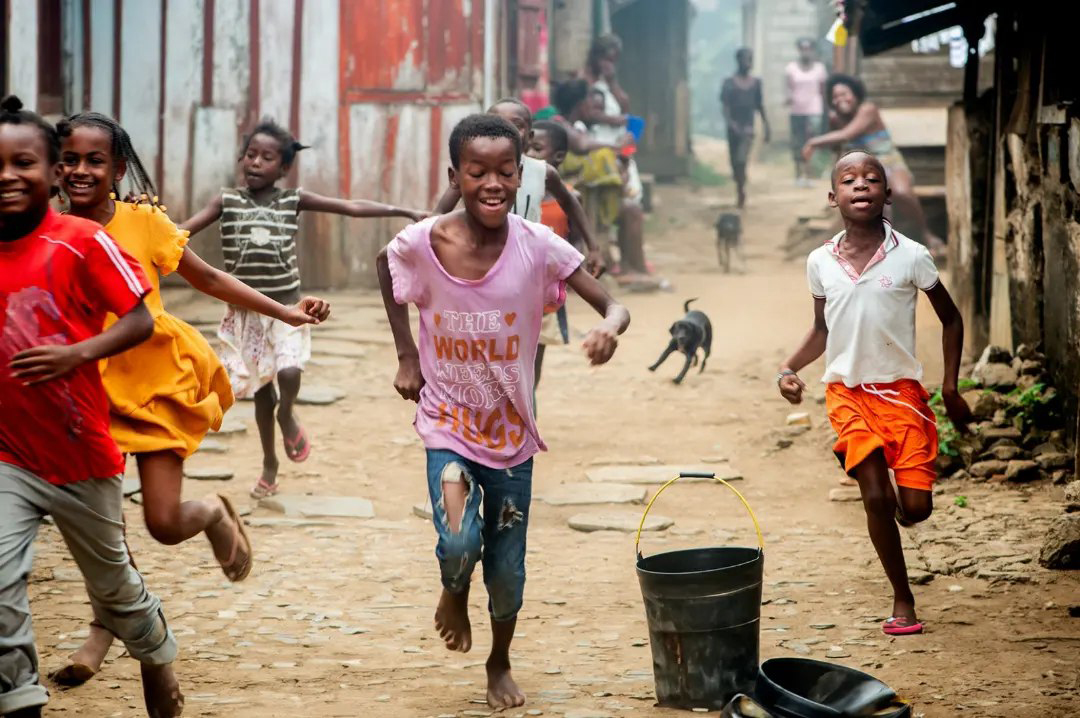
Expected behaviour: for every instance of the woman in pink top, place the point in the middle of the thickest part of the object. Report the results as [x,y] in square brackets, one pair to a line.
[805,83]
[480,278]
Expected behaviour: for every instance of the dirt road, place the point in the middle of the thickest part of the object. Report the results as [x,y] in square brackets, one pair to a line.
[335,620]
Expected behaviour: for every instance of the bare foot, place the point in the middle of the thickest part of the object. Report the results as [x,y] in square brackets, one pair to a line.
[84,663]
[904,608]
[452,621]
[161,692]
[502,691]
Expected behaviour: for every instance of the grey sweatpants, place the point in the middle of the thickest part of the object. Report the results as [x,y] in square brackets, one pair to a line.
[89,517]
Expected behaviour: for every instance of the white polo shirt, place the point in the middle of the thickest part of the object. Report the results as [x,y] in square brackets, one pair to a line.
[871,316]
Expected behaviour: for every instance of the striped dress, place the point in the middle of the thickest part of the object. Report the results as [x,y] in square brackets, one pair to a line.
[259,241]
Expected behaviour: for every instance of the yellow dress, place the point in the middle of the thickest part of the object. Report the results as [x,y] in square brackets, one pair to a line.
[169,391]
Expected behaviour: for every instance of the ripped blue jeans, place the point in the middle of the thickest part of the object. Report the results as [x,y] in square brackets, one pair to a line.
[497,537]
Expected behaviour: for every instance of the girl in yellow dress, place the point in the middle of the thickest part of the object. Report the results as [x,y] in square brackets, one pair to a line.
[168,392]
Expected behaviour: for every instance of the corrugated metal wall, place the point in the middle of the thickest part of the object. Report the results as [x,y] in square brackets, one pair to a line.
[374,86]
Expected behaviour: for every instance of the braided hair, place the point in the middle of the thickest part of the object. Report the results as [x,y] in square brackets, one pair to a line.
[12,113]
[122,151]
[289,144]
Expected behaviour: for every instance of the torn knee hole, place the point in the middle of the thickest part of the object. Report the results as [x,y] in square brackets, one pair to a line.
[457,486]
[509,514]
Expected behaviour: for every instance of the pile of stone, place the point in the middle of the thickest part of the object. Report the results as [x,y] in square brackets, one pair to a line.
[1020,437]
[1019,433]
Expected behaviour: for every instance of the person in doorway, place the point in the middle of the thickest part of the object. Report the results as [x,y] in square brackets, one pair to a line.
[865,283]
[805,98]
[259,224]
[607,119]
[741,98]
[480,278]
[59,278]
[856,124]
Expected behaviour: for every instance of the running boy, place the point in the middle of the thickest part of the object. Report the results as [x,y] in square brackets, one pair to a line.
[59,277]
[538,179]
[480,278]
[259,223]
[865,283]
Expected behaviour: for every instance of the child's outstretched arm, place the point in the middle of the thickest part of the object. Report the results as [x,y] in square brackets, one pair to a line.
[576,214]
[448,201]
[409,380]
[204,217]
[813,346]
[600,344]
[952,345]
[228,288]
[42,363]
[311,202]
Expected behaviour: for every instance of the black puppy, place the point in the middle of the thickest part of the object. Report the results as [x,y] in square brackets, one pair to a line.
[692,332]
[728,238]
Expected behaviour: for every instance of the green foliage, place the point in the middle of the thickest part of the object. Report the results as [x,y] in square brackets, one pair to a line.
[961,501]
[948,434]
[704,175]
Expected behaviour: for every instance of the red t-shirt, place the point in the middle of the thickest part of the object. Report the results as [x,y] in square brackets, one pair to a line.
[56,286]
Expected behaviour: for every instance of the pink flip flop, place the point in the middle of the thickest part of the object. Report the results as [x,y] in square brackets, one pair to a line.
[297,448]
[901,626]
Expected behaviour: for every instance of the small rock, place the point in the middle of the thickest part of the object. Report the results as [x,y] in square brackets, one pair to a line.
[1028,352]
[992,433]
[961,475]
[207,473]
[795,646]
[1061,476]
[618,521]
[919,578]
[996,376]
[784,443]
[1072,493]
[984,404]
[1031,367]
[822,626]
[955,588]
[794,431]
[586,493]
[1061,548]
[320,506]
[1002,453]
[988,468]
[210,445]
[994,354]
[423,510]
[319,395]
[845,493]
[658,474]
[1053,461]
[798,418]
[1021,471]
[837,652]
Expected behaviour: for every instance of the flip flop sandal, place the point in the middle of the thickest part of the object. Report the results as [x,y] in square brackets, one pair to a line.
[298,448]
[232,572]
[901,626]
[263,488]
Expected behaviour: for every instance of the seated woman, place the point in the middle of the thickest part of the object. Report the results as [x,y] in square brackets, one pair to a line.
[858,125]
[593,167]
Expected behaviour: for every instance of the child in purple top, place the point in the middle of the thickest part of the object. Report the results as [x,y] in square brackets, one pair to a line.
[480,278]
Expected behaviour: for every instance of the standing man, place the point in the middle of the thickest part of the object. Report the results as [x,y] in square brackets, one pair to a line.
[805,94]
[741,97]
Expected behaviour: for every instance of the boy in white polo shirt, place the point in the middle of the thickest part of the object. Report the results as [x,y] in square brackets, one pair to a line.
[865,282]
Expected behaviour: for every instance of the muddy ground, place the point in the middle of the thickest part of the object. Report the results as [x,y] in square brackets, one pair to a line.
[335,619]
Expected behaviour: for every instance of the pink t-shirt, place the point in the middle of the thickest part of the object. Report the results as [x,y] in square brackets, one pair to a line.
[806,88]
[478,339]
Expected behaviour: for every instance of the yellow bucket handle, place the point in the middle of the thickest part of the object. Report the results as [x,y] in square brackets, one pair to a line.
[697,475]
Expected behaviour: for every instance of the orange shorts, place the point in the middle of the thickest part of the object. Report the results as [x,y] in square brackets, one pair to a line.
[894,418]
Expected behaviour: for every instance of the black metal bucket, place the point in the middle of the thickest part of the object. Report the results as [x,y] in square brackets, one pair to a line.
[703,607]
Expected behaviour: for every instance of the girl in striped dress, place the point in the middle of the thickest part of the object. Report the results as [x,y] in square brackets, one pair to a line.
[259,223]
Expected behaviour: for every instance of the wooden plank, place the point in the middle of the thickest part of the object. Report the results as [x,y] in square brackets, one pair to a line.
[22,48]
[410,179]
[140,89]
[102,43]
[276,20]
[183,87]
[383,45]
[232,47]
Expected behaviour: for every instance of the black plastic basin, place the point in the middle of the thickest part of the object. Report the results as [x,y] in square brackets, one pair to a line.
[804,688]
